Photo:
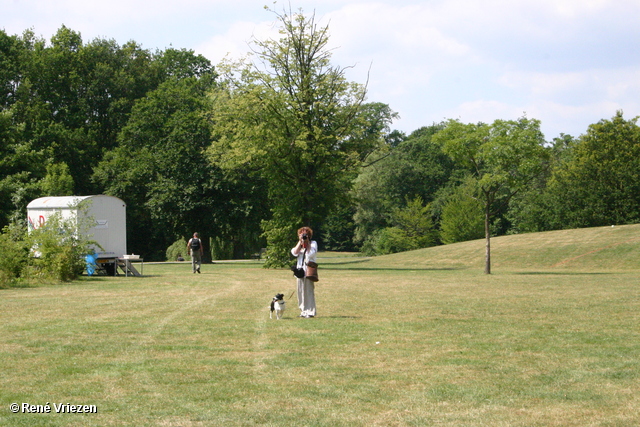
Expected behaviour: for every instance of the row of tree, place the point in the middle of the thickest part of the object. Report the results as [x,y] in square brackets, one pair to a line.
[89,118]
[250,151]
[501,178]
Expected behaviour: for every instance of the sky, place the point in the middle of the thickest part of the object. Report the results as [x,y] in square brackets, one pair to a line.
[567,63]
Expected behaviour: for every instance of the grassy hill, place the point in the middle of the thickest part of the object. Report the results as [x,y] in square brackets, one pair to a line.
[590,249]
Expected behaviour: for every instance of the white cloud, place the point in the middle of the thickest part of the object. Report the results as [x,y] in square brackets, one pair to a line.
[568,63]
[234,43]
[363,29]
[587,86]
[539,84]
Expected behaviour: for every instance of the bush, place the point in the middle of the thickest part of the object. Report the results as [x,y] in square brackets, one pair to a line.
[14,256]
[178,248]
[462,217]
[413,230]
[391,240]
[58,250]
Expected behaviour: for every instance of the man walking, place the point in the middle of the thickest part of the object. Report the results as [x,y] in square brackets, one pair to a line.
[195,247]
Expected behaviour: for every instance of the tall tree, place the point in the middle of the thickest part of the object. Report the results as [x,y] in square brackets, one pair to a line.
[536,208]
[599,183]
[161,171]
[11,67]
[21,162]
[502,159]
[73,98]
[295,120]
[414,167]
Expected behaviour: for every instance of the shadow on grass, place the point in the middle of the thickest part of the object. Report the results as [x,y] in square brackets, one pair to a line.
[357,261]
[18,285]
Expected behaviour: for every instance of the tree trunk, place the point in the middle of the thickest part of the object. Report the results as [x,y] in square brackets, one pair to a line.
[487,234]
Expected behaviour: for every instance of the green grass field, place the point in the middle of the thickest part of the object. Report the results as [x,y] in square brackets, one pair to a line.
[551,338]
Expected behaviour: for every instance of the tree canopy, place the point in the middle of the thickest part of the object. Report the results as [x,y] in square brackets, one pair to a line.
[596,182]
[292,118]
[248,151]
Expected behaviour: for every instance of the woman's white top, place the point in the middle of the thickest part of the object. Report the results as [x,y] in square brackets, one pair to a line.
[312,250]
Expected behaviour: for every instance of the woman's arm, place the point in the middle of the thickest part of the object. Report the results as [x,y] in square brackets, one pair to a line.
[295,251]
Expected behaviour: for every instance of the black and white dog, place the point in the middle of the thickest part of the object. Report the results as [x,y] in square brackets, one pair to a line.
[277,305]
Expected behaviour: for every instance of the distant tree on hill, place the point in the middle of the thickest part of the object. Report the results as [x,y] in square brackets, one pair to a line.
[415,167]
[599,183]
[502,159]
[532,209]
[412,228]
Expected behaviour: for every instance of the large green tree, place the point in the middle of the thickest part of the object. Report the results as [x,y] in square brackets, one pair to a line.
[502,159]
[21,163]
[413,168]
[294,119]
[74,98]
[534,209]
[160,170]
[599,181]
[12,51]
[63,105]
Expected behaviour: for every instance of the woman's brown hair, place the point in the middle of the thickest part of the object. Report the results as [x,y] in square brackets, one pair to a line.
[307,230]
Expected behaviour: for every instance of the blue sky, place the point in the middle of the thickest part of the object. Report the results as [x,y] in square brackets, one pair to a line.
[568,63]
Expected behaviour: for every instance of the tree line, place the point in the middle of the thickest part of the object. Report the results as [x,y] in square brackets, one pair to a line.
[248,151]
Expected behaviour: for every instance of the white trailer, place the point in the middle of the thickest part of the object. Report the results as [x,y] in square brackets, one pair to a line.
[104,217]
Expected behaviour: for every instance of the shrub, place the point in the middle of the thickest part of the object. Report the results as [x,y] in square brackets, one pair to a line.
[462,217]
[14,256]
[178,248]
[58,250]
[413,230]
[391,240]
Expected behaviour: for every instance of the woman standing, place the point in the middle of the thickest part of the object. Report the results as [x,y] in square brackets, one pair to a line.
[305,250]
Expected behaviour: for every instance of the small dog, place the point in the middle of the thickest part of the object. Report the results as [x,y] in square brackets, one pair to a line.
[277,305]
